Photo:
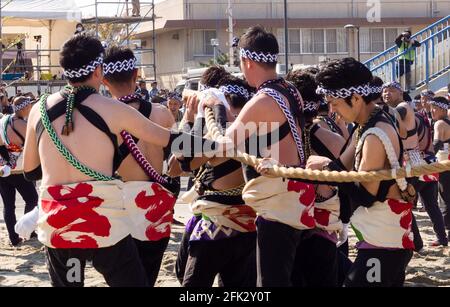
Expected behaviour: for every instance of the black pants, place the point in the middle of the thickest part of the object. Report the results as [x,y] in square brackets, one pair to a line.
[444,192]
[182,257]
[428,192]
[233,259]
[119,264]
[27,190]
[379,268]
[276,250]
[151,254]
[316,263]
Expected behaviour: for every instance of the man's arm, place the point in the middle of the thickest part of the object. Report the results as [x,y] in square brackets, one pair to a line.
[31,159]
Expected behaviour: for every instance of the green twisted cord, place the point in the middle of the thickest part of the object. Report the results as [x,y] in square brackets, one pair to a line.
[62,149]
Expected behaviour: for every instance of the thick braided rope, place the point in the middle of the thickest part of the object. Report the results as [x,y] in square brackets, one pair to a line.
[140,158]
[389,149]
[63,150]
[287,113]
[326,176]
[237,191]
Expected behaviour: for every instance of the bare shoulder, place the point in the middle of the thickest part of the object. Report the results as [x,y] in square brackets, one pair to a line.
[390,131]
[162,116]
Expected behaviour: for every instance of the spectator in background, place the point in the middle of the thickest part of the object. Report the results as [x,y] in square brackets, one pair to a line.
[79,29]
[405,61]
[174,105]
[5,105]
[136,8]
[142,90]
[154,91]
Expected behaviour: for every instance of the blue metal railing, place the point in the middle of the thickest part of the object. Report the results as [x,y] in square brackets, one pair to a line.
[419,36]
[432,58]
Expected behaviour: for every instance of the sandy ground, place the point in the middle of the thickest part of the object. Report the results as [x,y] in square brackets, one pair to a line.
[24,266]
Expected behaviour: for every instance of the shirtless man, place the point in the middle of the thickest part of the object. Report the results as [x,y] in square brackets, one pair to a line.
[382,217]
[68,152]
[284,207]
[439,110]
[13,128]
[222,241]
[120,77]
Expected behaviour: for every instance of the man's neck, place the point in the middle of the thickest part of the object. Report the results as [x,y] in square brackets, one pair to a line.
[121,90]
[87,84]
[263,76]
[364,115]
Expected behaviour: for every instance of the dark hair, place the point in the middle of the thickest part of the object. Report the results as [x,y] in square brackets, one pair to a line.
[441,100]
[376,82]
[306,85]
[236,101]
[213,76]
[257,39]
[115,54]
[417,97]
[79,51]
[344,73]
[448,88]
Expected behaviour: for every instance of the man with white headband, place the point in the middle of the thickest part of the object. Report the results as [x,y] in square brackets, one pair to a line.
[222,239]
[72,144]
[143,162]
[284,207]
[382,210]
[439,111]
[13,128]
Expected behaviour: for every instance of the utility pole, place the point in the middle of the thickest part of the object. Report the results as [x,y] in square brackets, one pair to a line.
[286,38]
[230,33]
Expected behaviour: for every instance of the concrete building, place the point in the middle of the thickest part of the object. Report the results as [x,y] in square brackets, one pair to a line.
[184,28]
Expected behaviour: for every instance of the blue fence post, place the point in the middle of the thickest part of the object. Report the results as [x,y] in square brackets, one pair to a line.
[427,64]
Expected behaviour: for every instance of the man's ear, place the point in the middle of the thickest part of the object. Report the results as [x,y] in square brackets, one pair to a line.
[135,75]
[356,99]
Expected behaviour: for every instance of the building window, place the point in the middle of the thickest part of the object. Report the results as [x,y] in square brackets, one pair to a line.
[202,42]
[315,41]
[374,40]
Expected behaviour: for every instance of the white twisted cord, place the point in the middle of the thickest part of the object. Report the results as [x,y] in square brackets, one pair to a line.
[389,149]
[287,113]
[119,66]
[84,70]
[258,56]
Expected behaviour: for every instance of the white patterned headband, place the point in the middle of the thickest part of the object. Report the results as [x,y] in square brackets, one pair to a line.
[393,84]
[85,70]
[439,104]
[258,56]
[236,89]
[427,93]
[119,66]
[22,105]
[202,87]
[311,106]
[363,90]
